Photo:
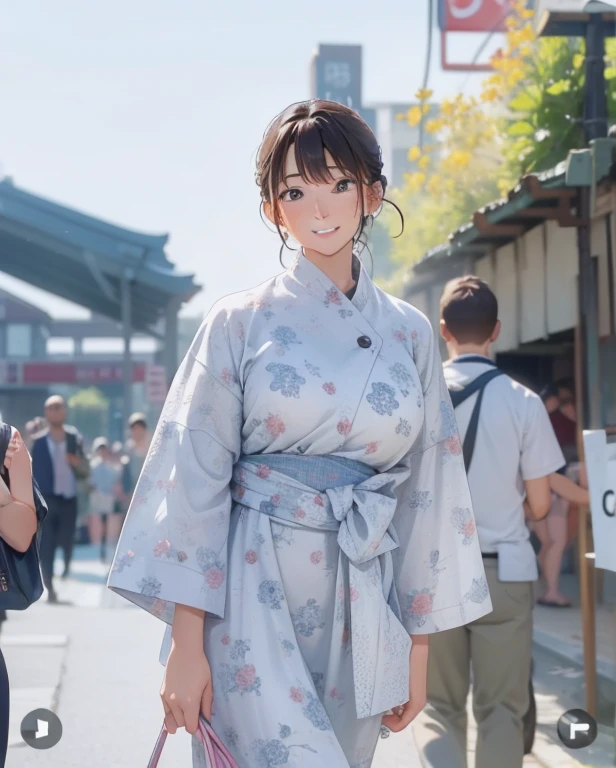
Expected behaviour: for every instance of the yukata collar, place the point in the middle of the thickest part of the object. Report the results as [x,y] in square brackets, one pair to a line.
[317,282]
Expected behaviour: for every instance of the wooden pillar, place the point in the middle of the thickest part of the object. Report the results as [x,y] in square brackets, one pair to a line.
[127,361]
[586,569]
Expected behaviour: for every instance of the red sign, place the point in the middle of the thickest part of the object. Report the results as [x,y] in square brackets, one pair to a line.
[474,15]
[85,374]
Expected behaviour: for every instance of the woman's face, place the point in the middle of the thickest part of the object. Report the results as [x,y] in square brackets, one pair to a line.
[322,217]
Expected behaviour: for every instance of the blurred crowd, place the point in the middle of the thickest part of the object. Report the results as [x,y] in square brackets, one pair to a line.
[87,488]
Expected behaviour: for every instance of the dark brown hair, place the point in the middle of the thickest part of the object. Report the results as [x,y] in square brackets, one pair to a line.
[469,309]
[313,127]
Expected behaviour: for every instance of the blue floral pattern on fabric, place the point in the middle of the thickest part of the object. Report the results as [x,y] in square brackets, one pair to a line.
[212,568]
[478,592]
[271,593]
[313,370]
[284,337]
[318,678]
[311,707]
[231,737]
[420,500]
[272,753]
[404,428]
[308,618]
[401,375]
[383,398]
[286,379]
[448,424]
[287,646]
[150,587]
[464,522]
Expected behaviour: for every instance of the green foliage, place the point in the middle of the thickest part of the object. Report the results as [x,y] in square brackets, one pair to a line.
[89,412]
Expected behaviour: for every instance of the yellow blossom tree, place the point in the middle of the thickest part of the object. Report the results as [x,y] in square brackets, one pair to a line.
[527,117]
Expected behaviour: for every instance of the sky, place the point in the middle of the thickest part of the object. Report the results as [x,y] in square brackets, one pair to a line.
[148,113]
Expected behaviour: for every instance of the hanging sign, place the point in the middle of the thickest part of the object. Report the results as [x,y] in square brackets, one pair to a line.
[473,15]
[600,461]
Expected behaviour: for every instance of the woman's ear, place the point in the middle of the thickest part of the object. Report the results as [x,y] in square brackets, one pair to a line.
[373,197]
[268,210]
[274,217]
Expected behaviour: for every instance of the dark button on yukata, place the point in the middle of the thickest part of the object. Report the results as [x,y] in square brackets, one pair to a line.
[364,342]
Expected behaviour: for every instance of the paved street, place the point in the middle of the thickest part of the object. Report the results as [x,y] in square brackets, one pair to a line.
[94,662]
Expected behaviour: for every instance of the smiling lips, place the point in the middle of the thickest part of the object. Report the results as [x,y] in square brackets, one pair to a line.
[325,231]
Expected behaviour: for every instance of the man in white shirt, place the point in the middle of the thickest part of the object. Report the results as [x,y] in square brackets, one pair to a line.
[515,452]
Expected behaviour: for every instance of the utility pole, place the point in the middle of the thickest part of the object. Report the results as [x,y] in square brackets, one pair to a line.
[595,127]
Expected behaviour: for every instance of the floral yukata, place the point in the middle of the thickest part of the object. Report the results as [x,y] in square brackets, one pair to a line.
[305,487]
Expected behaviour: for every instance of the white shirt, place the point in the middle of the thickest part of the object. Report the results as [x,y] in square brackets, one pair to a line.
[64,482]
[515,442]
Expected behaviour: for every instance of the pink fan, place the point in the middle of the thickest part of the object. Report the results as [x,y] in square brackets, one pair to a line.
[217,755]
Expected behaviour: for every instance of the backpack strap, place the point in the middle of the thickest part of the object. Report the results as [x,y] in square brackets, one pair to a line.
[458,396]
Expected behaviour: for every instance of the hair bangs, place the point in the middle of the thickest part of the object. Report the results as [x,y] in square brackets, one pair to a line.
[313,137]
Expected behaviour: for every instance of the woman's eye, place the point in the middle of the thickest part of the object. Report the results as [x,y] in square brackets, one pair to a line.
[291,194]
[344,185]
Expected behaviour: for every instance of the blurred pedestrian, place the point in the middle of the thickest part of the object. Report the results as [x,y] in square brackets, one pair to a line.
[567,492]
[509,450]
[58,461]
[103,480]
[137,447]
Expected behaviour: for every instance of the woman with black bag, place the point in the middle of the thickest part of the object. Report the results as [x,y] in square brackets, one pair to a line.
[18,528]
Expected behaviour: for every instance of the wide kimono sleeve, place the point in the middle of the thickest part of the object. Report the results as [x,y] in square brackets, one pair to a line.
[173,546]
[439,570]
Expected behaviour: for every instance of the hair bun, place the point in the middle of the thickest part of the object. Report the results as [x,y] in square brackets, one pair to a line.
[383,180]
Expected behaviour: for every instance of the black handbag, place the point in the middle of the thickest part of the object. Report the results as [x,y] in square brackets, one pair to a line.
[21,583]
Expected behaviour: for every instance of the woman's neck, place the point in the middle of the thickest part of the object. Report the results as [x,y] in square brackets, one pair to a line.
[338,267]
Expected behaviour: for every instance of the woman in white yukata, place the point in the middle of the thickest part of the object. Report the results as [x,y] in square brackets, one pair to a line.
[303,521]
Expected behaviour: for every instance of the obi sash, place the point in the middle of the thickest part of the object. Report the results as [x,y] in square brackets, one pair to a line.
[329,493]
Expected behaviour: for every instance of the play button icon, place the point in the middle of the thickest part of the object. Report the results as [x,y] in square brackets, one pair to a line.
[41,729]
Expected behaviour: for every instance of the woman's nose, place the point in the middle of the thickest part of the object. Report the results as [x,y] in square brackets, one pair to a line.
[320,209]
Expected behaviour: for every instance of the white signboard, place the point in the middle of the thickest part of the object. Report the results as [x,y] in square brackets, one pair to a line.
[600,460]
[155,383]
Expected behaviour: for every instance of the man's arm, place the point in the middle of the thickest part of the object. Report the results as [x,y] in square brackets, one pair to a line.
[538,497]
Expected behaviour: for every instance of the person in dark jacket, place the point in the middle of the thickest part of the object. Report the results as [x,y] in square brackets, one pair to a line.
[58,462]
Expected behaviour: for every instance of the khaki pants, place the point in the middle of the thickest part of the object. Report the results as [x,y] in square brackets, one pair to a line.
[497,648]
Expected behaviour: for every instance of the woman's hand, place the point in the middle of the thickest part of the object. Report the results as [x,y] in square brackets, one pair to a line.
[14,446]
[186,690]
[418,674]
[187,686]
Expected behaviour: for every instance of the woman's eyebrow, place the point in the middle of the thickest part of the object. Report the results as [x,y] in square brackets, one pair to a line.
[329,168]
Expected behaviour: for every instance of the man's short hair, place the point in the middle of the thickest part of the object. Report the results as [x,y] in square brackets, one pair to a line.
[55,401]
[469,309]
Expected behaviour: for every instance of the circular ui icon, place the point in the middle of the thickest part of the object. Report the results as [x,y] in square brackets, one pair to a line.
[41,729]
[577,729]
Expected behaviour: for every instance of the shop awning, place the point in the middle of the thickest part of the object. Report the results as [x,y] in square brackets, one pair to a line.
[569,18]
[537,197]
[84,260]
